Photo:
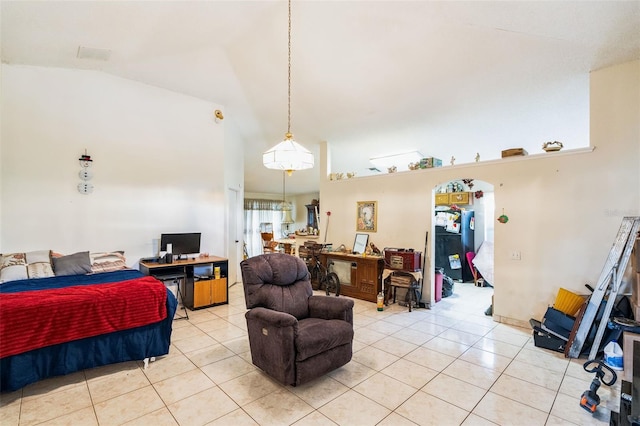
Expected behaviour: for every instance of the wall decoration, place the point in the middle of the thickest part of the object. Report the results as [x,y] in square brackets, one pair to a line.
[85,174]
[503,218]
[468,182]
[367,216]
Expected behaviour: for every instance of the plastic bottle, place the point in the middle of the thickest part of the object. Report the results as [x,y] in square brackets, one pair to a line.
[613,355]
[380,301]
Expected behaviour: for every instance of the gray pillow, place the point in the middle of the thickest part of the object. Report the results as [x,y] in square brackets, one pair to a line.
[73,264]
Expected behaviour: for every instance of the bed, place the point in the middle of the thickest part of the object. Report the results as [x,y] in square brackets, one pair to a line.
[62,324]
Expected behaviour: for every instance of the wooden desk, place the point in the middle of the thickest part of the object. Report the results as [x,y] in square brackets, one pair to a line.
[360,277]
[200,286]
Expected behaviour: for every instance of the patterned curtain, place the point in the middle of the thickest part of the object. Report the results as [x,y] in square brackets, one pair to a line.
[259,214]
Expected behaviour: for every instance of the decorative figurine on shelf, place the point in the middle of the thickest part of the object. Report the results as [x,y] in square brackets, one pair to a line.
[552,146]
[374,249]
[453,160]
[392,169]
[414,166]
[477,157]
[351,175]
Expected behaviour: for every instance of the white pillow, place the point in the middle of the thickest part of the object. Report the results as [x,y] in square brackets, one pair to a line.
[38,256]
[12,273]
[13,267]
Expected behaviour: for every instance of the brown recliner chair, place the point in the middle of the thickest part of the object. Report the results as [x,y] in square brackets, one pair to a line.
[294,336]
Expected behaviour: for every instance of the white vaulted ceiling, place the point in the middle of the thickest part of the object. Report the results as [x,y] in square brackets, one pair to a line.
[447,78]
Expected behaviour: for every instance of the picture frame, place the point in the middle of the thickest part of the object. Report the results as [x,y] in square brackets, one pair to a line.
[360,243]
[367,216]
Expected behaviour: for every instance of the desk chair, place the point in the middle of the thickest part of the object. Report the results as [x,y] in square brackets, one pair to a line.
[478,281]
[175,279]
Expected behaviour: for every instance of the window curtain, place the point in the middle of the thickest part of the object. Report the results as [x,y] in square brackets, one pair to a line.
[257,212]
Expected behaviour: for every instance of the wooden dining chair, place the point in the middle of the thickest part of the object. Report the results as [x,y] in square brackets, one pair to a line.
[268,245]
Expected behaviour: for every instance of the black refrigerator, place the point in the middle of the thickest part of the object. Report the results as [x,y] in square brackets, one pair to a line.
[452,243]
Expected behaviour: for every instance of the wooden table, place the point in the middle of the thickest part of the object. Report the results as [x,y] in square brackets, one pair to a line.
[289,245]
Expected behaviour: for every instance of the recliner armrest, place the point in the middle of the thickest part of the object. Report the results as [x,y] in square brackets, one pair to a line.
[327,307]
[275,318]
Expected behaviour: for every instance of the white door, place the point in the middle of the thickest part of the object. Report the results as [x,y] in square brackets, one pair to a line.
[234,242]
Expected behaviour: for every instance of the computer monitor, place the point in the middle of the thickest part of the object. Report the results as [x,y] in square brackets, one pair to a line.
[360,243]
[186,243]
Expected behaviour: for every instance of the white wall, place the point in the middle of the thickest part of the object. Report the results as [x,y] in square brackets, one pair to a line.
[158,164]
[565,208]
[232,163]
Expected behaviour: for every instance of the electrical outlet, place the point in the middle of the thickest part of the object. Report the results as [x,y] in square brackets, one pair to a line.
[515,255]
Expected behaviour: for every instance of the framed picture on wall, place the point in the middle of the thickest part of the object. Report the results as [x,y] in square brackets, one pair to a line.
[367,216]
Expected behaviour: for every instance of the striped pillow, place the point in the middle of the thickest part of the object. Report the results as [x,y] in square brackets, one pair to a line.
[107,261]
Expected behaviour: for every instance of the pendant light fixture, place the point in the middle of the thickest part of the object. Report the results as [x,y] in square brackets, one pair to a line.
[288,155]
[285,207]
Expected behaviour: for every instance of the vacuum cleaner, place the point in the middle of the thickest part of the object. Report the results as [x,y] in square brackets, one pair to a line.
[590,399]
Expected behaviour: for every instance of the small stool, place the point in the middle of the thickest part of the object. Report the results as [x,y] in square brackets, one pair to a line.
[407,282]
[174,279]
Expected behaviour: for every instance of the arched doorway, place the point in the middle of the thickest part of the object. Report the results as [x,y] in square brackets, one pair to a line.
[463,228]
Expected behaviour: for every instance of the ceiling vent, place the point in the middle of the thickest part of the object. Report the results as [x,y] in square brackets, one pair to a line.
[93,53]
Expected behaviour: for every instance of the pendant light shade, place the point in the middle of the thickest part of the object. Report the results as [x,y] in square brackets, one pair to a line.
[286,215]
[285,207]
[288,155]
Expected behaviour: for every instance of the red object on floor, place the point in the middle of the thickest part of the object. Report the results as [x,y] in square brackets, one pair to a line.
[476,275]
[438,285]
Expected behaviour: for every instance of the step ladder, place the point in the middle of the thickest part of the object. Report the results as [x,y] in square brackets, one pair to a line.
[609,282]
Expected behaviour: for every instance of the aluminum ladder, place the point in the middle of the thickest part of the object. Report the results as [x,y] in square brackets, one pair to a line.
[609,280]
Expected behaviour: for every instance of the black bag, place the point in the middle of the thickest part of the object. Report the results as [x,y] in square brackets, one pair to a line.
[447,286]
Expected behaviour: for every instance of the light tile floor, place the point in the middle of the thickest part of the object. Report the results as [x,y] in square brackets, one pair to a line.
[449,365]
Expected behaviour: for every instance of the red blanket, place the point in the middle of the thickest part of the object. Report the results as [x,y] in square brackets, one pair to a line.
[35,319]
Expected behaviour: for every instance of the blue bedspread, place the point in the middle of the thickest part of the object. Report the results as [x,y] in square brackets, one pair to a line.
[69,280]
[138,343]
